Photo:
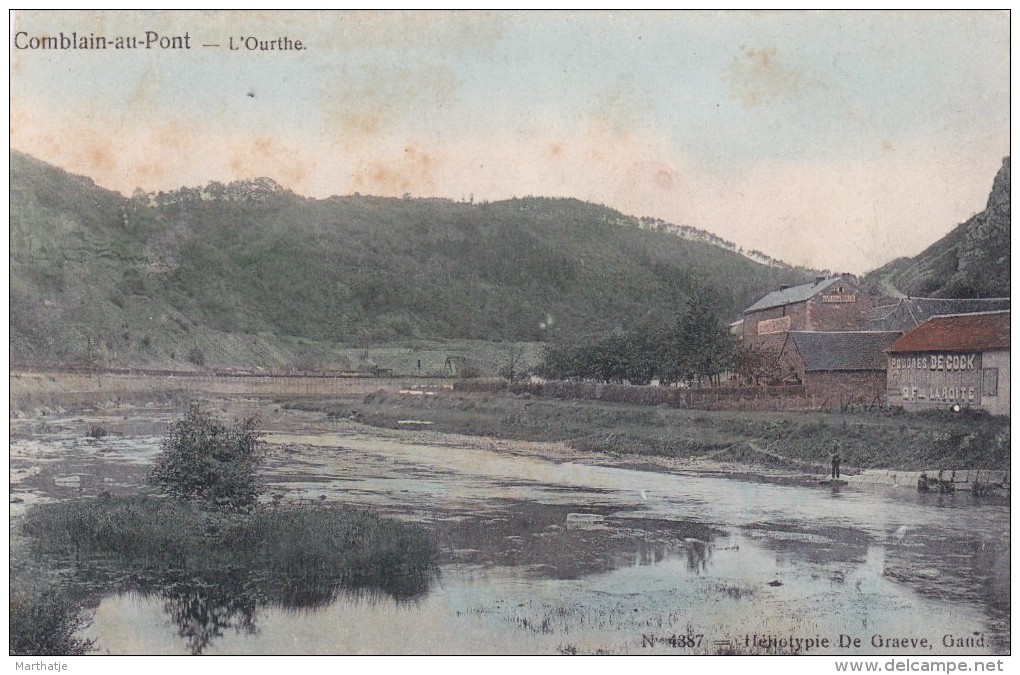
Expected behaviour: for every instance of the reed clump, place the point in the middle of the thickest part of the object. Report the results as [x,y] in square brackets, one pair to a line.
[347,548]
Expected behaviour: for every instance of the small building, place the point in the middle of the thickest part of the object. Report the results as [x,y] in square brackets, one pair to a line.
[958,359]
[826,304]
[909,313]
[838,368]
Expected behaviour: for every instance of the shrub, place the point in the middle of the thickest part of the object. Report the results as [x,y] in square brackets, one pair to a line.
[196,356]
[469,370]
[43,623]
[202,459]
[96,431]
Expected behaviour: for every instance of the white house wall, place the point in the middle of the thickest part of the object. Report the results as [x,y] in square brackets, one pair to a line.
[999,404]
[938,381]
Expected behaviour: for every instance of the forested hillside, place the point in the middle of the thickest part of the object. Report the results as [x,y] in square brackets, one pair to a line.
[245,273]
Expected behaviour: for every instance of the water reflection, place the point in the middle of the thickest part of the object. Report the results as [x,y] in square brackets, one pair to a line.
[729,593]
[543,540]
[698,552]
[206,605]
[203,607]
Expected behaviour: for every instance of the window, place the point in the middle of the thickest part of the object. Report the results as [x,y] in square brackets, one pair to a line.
[990,382]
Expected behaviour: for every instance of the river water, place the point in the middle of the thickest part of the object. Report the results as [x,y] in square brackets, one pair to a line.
[541,554]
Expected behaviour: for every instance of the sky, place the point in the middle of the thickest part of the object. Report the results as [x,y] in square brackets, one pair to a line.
[832,140]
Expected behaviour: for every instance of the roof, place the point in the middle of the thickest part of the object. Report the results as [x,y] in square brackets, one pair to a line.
[788,296]
[981,332]
[910,313]
[849,350]
[880,312]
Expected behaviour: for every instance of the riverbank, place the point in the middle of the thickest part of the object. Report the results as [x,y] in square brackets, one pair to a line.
[787,443]
[780,442]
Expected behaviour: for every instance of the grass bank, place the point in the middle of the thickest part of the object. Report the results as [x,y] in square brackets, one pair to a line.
[346,548]
[799,441]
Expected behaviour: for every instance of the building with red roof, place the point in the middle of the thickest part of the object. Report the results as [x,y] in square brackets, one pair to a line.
[952,360]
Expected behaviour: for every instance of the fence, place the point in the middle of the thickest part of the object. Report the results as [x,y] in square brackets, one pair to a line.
[52,387]
[112,384]
[787,397]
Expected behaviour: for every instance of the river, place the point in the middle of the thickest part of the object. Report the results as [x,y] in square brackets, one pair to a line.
[544,554]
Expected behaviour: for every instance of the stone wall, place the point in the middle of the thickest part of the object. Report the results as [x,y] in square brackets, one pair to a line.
[836,316]
[866,387]
[960,479]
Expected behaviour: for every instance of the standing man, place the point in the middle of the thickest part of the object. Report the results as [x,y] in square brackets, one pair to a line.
[834,457]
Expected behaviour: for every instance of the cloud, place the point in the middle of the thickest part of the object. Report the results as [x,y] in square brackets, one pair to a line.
[851,215]
[759,77]
[413,172]
[813,145]
[361,103]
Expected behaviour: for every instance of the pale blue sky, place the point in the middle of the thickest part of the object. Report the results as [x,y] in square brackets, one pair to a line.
[836,140]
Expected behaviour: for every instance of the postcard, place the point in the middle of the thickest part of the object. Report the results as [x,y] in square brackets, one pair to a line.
[510,333]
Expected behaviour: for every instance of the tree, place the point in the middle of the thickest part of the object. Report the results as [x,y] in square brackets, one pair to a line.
[756,365]
[512,365]
[698,345]
[204,460]
[643,347]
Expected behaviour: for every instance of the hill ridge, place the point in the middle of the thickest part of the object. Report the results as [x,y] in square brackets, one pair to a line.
[249,273]
[972,261]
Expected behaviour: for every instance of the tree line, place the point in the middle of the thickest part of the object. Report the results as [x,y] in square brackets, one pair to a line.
[693,347]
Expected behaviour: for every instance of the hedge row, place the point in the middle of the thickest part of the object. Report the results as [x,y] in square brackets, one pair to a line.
[626,393]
